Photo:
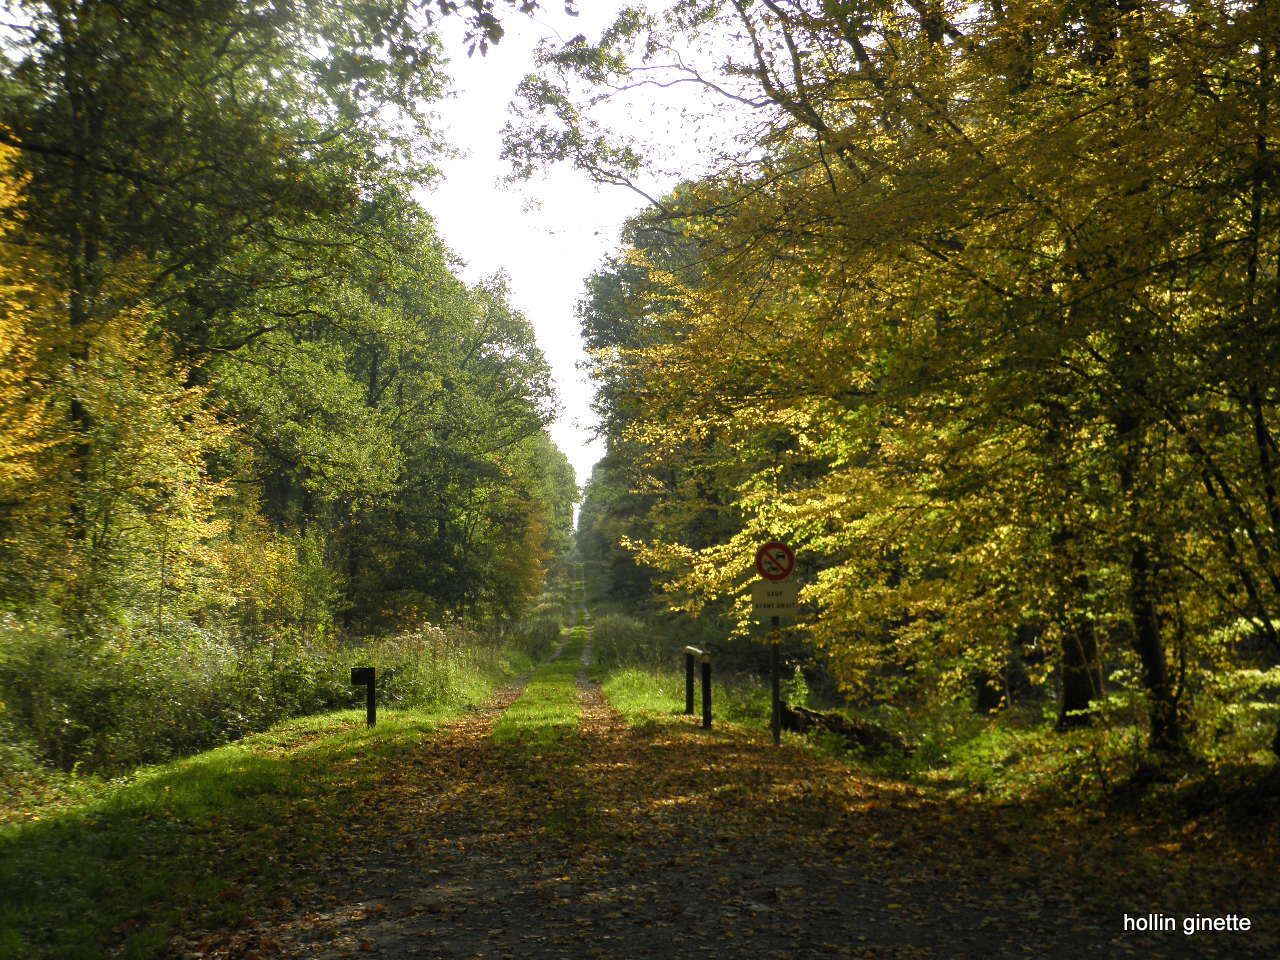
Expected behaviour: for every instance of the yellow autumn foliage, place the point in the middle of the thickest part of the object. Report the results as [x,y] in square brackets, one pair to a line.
[25,419]
[985,334]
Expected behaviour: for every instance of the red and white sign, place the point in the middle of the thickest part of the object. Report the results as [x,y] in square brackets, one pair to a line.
[775,561]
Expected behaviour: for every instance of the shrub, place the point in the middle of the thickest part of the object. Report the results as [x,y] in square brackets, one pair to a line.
[619,640]
[537,635]
[108,705]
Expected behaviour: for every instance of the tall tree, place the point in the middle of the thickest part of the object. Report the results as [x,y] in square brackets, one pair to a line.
[960,331]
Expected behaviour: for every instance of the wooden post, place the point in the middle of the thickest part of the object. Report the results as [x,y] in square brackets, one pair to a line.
[365,675]
[688,682]
[775,682]
[706,691]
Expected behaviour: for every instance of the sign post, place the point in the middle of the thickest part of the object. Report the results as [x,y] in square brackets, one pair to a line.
[773,599]
[364,675]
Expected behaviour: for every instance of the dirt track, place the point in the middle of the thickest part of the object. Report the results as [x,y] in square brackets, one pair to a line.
[669,841]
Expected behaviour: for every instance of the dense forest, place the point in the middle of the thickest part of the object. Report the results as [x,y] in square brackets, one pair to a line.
[971,305]
[977,311]
[247,406]
[980,314]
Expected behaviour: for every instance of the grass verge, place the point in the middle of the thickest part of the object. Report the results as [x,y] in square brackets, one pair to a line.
[115,865]
[647,696]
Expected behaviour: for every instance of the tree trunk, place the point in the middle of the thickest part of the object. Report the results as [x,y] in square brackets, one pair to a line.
[1167,736]
[1081,673]
[870,737]
[991,692]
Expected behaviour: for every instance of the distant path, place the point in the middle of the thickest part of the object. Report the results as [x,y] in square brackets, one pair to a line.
[678,843]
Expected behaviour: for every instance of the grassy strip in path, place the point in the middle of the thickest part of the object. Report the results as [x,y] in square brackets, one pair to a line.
[541,740]
[548,710]
[218,833]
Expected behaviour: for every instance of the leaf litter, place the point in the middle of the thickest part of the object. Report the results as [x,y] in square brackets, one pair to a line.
[672,841]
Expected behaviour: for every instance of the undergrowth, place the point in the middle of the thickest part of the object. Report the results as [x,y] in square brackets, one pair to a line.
[75,715]
[1015,755]
[90,860]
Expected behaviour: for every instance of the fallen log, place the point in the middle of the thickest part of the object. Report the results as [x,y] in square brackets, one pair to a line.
[860,734]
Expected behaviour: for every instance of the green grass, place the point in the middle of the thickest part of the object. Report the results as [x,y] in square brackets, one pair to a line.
[120,862]
[539,734]
[1006,757]
[646,696]
[548,709]
[1015,756]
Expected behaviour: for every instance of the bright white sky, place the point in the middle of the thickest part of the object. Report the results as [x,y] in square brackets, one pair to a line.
[546,235]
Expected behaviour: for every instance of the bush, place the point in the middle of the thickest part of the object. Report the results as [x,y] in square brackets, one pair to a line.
[1237,713]
[110,705]
[536,636]
[618,640]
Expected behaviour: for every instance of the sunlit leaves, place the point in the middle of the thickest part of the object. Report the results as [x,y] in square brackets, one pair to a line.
[956,330]
[25,418]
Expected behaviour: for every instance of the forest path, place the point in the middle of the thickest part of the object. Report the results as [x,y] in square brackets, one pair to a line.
[669,841]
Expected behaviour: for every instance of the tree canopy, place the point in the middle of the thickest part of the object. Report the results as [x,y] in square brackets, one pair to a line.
[249,391]
[978,313]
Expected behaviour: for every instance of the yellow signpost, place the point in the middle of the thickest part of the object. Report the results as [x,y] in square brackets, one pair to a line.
[773,602]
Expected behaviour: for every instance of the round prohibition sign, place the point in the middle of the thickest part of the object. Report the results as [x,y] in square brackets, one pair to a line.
[775,561]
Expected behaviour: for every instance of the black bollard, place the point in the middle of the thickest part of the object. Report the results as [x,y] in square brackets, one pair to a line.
[706,691]
[365,675]
[688,683]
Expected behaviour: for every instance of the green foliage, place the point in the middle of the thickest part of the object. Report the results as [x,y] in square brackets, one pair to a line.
[949,317]
[610,513]
[1236,715]
[270,418]
[435,666]
[795,688]
[105,707]
[536,635]
[742,698]
[621,640]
